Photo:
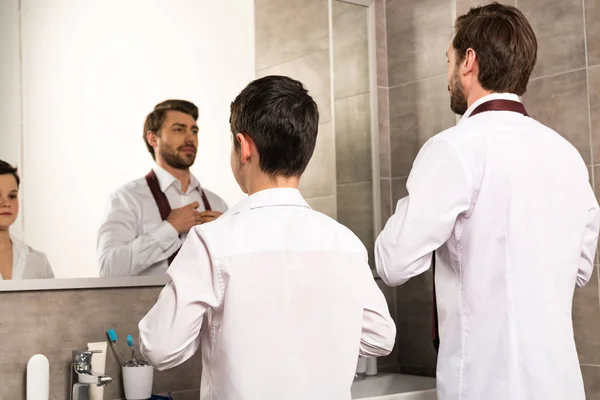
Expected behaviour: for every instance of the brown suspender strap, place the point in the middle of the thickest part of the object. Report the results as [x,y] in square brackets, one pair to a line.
[492,105]
[164,208]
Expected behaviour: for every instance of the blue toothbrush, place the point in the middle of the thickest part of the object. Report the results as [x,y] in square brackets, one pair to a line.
[112,337]
[133,356]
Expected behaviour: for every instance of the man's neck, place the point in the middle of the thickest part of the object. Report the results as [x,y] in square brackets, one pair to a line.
[477,94]
[182,175]
[264,182]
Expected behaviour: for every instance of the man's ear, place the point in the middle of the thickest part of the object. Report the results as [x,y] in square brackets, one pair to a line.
[469,62]
[151,138]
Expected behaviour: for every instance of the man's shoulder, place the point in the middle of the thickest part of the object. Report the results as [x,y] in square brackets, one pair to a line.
[137,188]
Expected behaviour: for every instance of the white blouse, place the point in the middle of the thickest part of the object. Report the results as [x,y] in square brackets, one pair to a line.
[29,263]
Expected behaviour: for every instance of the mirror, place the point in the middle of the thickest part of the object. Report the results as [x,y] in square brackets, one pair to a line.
[77,81]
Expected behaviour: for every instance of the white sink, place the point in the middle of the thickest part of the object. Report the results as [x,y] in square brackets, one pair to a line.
[394,387]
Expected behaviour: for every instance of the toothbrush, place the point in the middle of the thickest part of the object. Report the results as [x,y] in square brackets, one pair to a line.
[112,336]
[133,356]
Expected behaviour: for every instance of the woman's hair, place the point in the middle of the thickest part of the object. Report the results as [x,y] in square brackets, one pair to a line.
[7,169]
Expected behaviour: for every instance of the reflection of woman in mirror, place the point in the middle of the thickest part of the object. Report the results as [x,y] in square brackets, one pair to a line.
[17,260]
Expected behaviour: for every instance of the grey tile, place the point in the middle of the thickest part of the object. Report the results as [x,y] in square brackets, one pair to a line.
[340,7]
[398,191]
[381,43]
[596,172]
[355,210]
[592,16]
[314,72]
[385,185]
[560,102]
[383,115]
[463,6]
[351,53]
[353,139]
[418,111]
[414,313]
[586,321]
[418,35]
[561,46]
[326,205]
[390,296]
[319,178]
[591,381]
[594,82]
[289,29]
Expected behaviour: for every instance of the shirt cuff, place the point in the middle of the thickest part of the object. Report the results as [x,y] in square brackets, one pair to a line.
[165,235]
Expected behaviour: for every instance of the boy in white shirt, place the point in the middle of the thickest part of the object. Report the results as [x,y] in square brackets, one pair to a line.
[280,297]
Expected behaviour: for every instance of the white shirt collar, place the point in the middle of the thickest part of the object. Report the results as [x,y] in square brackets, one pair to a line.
[493,96]
[271,197]
[20,253]
[165,179]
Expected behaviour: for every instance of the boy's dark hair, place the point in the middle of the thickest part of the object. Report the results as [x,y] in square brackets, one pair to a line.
[505,44]
[282,119]
[7,169]
[156,118]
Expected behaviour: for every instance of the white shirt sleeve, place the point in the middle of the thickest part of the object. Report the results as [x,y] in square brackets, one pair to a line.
[440,189]
[121,252]
[170,332]
[378,328]
[590,242]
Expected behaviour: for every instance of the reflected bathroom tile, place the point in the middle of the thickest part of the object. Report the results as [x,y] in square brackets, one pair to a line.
[319,178]
[398,191]
[384,133]
[286,30]
[351,53]
[313,72]
[591,381]
[355,210]
[463,6]
[339,7]
[560,102]
[592,16]
[418,35]
[386,200]
[594,82]
[381,43]
[353,139]
[418,111]
[326,205]
[561,46]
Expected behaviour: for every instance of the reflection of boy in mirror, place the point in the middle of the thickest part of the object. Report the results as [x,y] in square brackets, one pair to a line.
[281,297]
[147,219]
[17,260]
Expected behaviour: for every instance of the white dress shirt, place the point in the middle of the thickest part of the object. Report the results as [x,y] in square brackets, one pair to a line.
[508,203]
[28,263]
[133,239]
[280,297]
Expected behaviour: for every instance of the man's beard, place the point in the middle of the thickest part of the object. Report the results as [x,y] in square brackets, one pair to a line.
[175,160]
[458,101]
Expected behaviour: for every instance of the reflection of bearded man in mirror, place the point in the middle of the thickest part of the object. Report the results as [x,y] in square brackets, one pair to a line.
[148,219]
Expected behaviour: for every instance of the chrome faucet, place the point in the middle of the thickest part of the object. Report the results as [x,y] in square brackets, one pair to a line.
[82,376]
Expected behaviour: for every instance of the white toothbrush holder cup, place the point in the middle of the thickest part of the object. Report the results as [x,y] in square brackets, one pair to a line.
[137,382]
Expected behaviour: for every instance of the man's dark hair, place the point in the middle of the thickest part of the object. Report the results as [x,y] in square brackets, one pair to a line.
[7,169]
[505,45]
[157,117]
[282,119]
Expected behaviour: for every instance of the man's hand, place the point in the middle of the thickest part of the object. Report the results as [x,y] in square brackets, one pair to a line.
[207,216]
[184,218]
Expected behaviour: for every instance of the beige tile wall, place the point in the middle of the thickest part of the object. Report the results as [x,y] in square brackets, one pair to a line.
[54,323]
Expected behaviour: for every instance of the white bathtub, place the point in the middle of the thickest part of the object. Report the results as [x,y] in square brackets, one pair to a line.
[394,387]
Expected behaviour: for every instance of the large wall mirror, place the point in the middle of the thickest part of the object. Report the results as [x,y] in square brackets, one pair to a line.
[77,80]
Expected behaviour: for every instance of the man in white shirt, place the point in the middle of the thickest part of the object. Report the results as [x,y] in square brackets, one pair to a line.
[280,297]
[147,220]
[507,206]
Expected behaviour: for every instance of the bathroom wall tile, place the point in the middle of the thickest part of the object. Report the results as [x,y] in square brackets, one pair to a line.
[339,7]
[561,46]
[418,111]
[287,29]
[42,328]
[463,6]
[596,172]
[319,178]
[351,53]
[594,82]
[418,35]
[414,313]
[592,16]
[353,139]
[313,72]
[381,43]
[390,296]
[355,210]
[586,321]
[326,205]
[385,185]
[383,116]
[591,381]
[560,102]
[398,191]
